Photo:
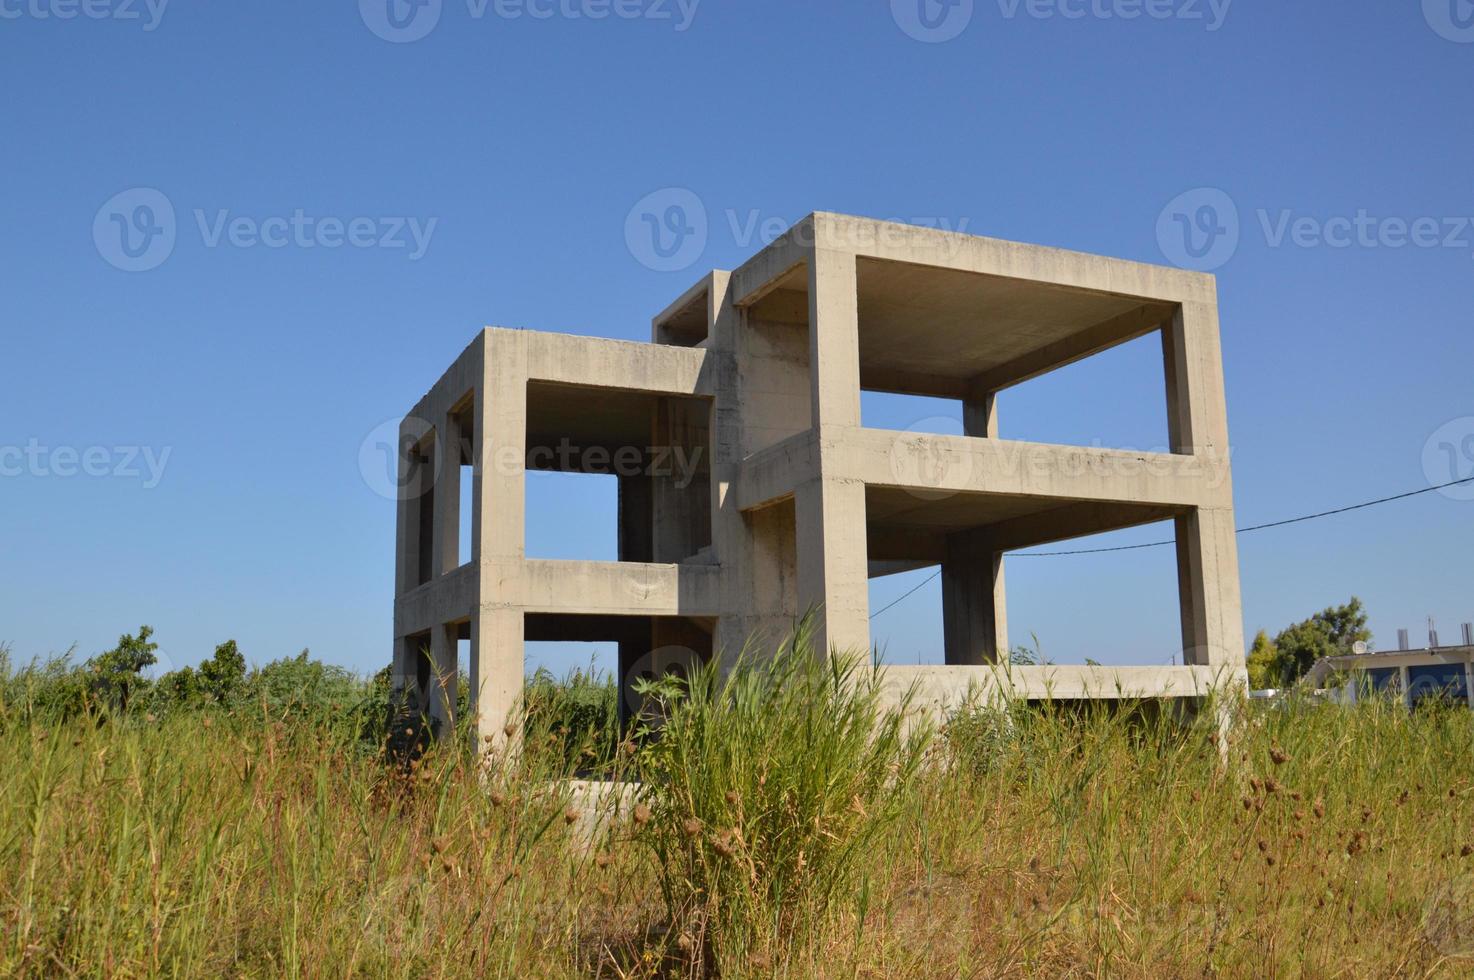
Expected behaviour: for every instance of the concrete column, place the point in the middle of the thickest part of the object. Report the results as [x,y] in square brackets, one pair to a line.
[402,671]
[498,538]
[499,491]
[974,616]
[415,503]
[974,606]
[681,484]
[446,526]
[1208,588]
[635,519]
[834,339]
[833,568]
[496,672]
[980,415]
[1207,546]
[440,700]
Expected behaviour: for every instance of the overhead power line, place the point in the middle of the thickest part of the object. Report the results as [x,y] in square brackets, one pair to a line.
[1158,544]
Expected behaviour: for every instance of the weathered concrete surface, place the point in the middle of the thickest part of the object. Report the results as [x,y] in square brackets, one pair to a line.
[788,503]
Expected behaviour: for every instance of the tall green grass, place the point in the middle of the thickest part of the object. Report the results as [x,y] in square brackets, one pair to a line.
[789,827]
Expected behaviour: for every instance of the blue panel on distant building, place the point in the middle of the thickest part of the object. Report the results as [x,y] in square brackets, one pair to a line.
[1440,681]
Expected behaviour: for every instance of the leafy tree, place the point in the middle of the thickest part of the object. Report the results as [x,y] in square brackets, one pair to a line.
[1329,633]
[1265,669]
[223,676]
[117,674]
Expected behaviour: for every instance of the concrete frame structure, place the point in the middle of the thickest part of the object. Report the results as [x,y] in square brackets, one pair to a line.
[758,372]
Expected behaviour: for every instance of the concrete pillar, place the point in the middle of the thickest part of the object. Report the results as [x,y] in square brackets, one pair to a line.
[440,700]
[974,616]
[402,672]
[636,516]
[446,525]
[681,480]
[498,536]
[496,672]
[834,339]
[415,504]
[833,568]
[1207,546]
[974,607]
[499,489]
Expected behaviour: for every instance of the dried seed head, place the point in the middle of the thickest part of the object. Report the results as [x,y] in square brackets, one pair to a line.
[642,814]
[509,729]
[1466,850]
[498,797]
[692,827]
[732,797]
[1319,808]
[570,815]
[602,860]
[1278,755]
[1271,785]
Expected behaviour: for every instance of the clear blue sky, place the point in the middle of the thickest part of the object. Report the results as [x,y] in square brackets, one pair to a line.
[528,139]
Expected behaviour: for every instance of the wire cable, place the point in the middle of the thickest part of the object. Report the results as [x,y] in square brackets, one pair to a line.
[1242,530]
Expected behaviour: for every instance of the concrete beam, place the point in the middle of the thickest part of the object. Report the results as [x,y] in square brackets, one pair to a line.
[1075,521]
[1111,333]
[618,588]
[773,473]
[761,274]
[601,363]
[933,464]
[894,242]
[940,690]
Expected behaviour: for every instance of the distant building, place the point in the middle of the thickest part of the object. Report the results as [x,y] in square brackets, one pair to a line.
[1436,672]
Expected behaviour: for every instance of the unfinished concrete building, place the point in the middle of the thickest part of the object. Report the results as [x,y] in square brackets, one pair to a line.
[784,501]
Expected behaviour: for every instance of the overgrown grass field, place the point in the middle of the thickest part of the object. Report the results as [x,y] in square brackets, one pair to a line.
[784,827]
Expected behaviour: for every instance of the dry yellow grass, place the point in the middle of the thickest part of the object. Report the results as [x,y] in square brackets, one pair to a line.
[1330,843]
